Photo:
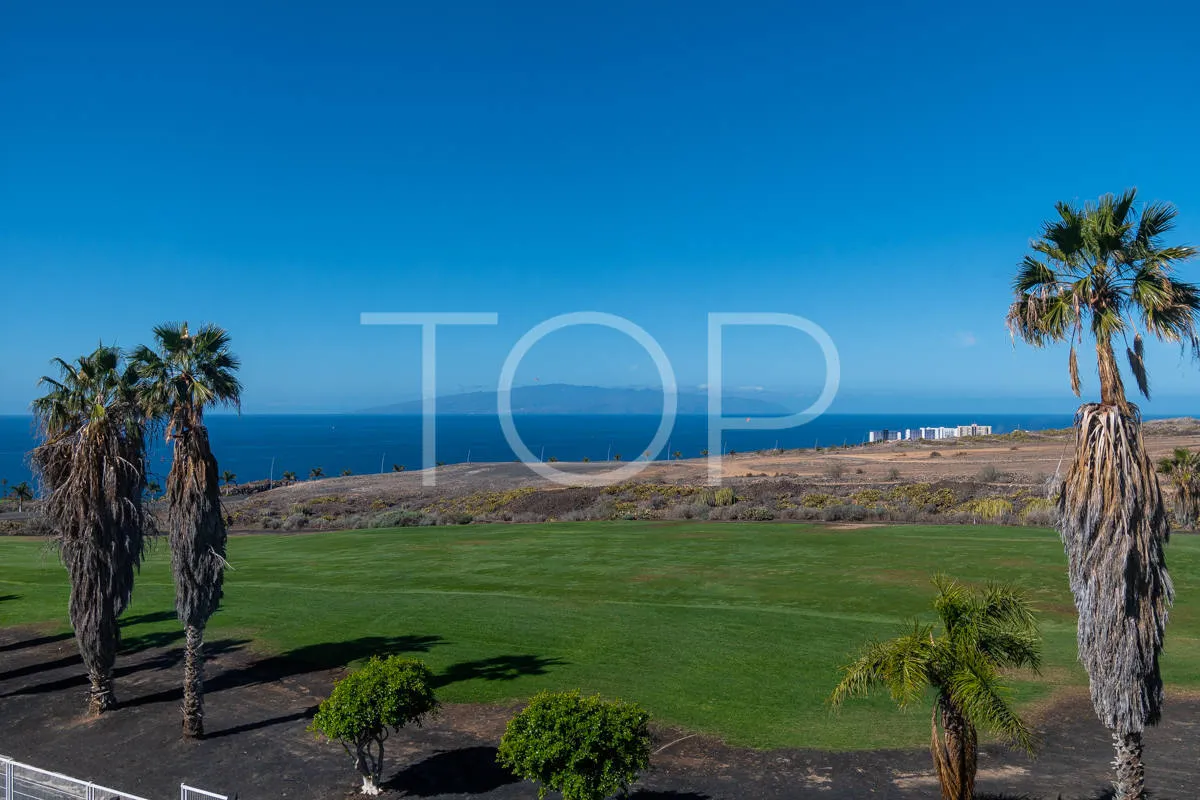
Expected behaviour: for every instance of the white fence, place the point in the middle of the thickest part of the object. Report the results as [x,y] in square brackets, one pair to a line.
[23,782]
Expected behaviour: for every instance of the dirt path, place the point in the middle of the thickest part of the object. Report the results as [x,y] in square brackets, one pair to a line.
[257,747]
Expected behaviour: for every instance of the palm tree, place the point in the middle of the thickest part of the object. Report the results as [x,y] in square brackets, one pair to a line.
[982,632]
[1182,468]
[177,381]
[678,455]
[289,477]
[23,494]
[92,463]
[315,472]
[1104,268]
[153,488]
[229,478]
[347,473]
[397,468]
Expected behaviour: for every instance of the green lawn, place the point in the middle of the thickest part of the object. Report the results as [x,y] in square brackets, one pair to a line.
[732,629]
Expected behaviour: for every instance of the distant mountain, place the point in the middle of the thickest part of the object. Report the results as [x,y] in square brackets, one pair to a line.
[562,398]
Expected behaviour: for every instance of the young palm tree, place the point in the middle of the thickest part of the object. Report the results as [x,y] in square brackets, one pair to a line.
[229,478]
[184,375]
[23,494]
[982,632]
[315,472]
[1104,269]
[289,477]
[1182,468]
[92,464]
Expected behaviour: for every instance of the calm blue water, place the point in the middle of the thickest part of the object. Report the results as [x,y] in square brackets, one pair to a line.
[247,444]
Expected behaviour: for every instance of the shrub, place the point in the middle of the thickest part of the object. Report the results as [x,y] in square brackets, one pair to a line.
[867,497]
[1040,511]
[723,497]
[935,454]
[295,522]
[386,694]
[757,514]
[992,509]
[817,500]
[893,474]
[834,470]
[990,474]
[397,518]
[585,747]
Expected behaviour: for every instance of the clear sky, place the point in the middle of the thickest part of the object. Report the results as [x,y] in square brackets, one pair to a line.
[279,169]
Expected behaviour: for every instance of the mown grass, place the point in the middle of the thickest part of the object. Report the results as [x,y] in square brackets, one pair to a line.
[731,629]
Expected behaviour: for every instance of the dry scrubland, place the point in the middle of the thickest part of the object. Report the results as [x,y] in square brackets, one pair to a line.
[1007,479]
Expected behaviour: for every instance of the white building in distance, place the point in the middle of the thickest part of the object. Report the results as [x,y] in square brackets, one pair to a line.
[931,433]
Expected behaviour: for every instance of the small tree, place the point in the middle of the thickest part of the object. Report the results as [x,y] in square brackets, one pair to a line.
[1183,469]
[585,747]
[386,694]
[23,494]
[983,632]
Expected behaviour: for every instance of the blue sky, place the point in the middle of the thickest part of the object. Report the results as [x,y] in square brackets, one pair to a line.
[279,169]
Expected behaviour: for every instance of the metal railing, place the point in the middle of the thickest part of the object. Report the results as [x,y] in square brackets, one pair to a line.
[24,782]
[192,793]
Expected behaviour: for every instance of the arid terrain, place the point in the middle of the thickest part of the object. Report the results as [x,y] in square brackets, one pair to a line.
[948,480]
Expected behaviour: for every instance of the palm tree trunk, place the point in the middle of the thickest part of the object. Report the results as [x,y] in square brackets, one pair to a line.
[1112,389]
[100,695]
[1130,783]
[955,758]
[193,682]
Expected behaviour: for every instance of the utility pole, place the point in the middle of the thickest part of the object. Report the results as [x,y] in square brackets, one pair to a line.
[271,478]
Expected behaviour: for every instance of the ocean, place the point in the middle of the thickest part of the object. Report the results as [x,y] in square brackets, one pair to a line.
[256,446]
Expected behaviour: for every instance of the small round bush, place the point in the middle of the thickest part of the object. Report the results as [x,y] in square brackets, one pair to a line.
[585,747]
[386,694]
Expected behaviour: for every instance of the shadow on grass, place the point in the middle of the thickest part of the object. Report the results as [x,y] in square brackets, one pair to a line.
[264,723]
[645,794]
[311,658]
[129,645]
[7,597]
[498,668]
[470,770]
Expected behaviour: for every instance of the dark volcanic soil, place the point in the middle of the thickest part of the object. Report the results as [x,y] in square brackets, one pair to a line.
[257,746]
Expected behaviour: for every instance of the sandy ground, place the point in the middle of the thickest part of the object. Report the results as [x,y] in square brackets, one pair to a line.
[1027,460]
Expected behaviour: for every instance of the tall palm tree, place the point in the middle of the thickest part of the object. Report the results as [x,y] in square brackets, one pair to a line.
[1182,468]
[982,632]
[92,463]
[229,478]
[1103,269]
[178,380]
[23,494]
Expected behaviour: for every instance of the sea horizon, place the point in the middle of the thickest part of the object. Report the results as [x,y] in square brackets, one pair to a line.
[263,445]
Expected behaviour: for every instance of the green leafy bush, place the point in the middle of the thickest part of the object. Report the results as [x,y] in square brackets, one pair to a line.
[585,747]
[386,694]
